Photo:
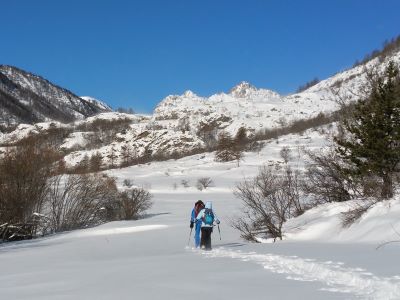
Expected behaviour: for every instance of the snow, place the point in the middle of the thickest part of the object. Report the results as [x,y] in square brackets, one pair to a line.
[151,259]
[101,104]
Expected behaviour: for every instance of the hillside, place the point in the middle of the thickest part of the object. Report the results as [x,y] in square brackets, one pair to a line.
[184,124]
[152,258]
[28,98]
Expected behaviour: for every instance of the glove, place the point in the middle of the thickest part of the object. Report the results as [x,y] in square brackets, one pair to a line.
[218,222]
[191,225]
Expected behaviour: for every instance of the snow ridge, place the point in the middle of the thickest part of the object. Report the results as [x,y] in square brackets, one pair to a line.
[336,276]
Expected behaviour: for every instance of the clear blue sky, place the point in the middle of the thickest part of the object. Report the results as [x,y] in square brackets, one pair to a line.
[134,53]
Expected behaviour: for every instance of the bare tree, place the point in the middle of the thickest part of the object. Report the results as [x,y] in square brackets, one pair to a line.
[326,181]
[203,183]
[24,171]
[185,183]
[269,200]
[133,202]
[285,153]
[79,201]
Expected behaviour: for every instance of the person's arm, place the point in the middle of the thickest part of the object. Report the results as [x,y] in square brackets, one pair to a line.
[200,214]
[193,217]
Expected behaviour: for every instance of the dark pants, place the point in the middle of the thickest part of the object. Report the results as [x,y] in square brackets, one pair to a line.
[205,242]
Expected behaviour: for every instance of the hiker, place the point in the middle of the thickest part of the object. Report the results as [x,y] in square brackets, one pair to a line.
[198,206]
[207,217]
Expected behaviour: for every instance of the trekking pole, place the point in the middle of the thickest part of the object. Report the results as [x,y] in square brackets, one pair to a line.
[219,230]
[190,234]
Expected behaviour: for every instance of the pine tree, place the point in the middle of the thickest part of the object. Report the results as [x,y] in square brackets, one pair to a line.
[373,147]
[241,139]
[226,148]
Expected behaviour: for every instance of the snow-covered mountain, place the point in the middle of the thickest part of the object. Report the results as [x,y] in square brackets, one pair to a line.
[29,98]
[183,124]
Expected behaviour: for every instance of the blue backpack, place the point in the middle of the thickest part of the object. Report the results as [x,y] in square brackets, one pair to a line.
[208,218]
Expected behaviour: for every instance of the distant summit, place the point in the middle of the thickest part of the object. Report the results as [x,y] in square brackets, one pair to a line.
[29,98]
[242,90]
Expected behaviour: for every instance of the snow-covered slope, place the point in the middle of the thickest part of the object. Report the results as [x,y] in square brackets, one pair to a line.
[188,123]
[151,259]
[28,98]
[101,104]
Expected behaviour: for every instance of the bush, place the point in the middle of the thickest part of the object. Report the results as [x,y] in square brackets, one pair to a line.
[128,183]
[80,201]
[133,202]
[285,153]
[356,211]
[185,183]
[269,200]
[203,183]
[325,180]
[24,174]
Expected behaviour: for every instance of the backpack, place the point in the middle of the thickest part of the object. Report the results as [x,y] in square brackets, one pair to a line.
[208,218]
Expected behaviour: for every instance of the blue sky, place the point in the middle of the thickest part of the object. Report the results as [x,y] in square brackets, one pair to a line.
[134,53]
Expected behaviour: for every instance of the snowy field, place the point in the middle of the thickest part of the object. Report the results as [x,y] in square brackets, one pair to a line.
[151,258]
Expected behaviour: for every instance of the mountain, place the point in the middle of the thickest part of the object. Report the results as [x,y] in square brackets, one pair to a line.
[29,98]
[180,125]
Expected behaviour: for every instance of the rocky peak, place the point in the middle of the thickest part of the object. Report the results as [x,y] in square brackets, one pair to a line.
[189,94]
[242,90]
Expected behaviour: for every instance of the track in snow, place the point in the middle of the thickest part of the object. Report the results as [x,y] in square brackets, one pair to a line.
[335,275]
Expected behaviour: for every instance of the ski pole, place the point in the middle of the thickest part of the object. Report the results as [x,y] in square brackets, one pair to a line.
[190,234]
[219,230]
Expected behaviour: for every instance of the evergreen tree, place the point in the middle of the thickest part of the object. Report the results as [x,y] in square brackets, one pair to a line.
[241,139]
[373,146]
[226,148]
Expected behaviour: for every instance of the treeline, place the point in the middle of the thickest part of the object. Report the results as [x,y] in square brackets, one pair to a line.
[388,48]
[307,85]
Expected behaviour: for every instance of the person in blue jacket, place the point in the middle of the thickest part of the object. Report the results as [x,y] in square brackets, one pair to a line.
[198,206]
[207,218]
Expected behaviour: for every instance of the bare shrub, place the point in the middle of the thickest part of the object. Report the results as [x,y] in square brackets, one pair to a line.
[128,183]
[79,201]
[297,126]
[103,132]
[133,202]
[326,180]
[356,211]
[285,153]
[185,183]
[24,171]
[203,183]
[269,200]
